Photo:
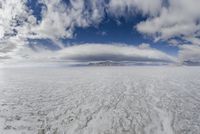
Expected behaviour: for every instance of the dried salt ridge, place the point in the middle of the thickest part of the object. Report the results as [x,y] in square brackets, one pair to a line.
[97,100]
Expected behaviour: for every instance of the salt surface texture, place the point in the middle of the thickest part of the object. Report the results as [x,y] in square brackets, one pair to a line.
[100,100]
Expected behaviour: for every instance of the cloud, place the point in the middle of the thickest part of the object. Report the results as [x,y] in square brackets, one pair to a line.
[12,17]
[189,54]
[104,52]
[178,19]
[121,7]
[13,27]
[178,24]
[10,50]
[59,19]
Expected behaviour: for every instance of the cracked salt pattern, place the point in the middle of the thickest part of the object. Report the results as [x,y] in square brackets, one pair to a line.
[100,100]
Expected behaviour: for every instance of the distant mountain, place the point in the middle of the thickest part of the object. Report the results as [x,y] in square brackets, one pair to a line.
[105,63]
[114,63]
[191,63]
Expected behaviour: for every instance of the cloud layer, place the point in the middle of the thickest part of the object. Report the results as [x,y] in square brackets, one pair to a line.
[85,53]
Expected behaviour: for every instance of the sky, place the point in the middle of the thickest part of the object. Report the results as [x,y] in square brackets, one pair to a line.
[156,31]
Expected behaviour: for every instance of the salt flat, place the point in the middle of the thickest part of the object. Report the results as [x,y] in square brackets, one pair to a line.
[100,100]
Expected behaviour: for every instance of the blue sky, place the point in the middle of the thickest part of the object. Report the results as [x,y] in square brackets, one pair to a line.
[110,30]
[31,28]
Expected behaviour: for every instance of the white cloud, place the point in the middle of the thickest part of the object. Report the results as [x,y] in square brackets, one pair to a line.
[193,40]
[13,27]
[11,11]
[102,52]
[59,20]
[144,46]
[178,24]
[146,7]
[178,19]
[189,54]
[10,50]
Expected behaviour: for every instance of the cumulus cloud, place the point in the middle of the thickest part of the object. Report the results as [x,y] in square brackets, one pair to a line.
[178,19]
[12,17]
[59,19]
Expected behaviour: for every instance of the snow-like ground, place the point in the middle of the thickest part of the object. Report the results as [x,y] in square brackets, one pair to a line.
[100,100]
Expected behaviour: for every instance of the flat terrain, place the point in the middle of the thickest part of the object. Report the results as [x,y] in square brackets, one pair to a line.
[100,100]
